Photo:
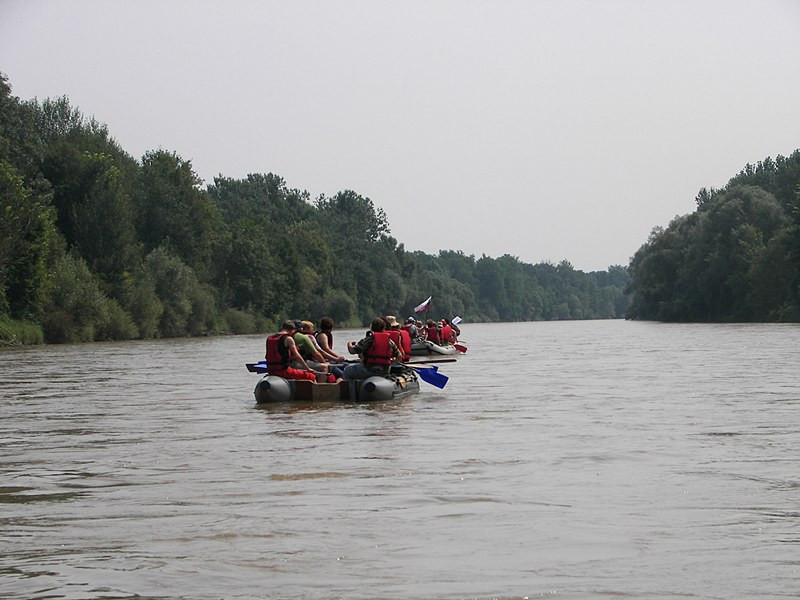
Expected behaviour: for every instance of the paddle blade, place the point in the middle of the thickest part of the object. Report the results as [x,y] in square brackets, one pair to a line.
[432,376]
[461,348]
[259,367]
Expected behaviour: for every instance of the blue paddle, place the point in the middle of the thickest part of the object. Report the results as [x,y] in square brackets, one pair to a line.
[431,375]
[261,366]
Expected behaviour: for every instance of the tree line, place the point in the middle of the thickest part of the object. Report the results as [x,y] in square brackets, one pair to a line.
[735,258]
[97,245]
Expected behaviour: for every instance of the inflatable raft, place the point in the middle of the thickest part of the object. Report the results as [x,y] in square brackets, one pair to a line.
[272,388]
[430,349]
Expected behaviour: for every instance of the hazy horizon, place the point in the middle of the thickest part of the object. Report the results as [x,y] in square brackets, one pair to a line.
[546,130]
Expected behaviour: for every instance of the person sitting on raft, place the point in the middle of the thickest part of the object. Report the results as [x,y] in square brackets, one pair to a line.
[400,337]
[446,335]
[318,354]
[307,349]
[324,339]
[281,350]
[455,327]
[432,332]
[377,353]
[411,327]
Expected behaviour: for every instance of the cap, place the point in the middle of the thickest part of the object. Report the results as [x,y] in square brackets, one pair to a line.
[391,321]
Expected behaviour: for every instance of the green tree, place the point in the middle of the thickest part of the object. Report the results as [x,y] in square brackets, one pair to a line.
[20,143]
[491,288]
[26,235]
[175,212]
[251,277]
[654,273]
[140,299]
[74,308]
[731,260]
[264,199]
[188,306]
[246,252]
[353,228]
[95,213]
[459,266]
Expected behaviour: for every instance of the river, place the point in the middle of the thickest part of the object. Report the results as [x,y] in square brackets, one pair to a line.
[584,459]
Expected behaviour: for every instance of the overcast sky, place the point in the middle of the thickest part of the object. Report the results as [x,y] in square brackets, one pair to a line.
[547,130]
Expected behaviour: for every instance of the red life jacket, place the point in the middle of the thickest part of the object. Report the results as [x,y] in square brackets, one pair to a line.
[405,344]
[277,352]
[407,328]
[433,334]
[394,335]
[379,352]
[401,339]
[446,334]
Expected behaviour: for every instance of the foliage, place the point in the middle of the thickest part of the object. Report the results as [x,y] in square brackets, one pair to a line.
[174,212]
[141,301]
[239,322]
[16,333]
[96,245]
[188,306]
[736,258]
[26,232]
[74,308]
[94,208]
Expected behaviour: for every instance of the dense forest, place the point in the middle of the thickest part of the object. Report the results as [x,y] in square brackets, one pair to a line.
[736,258]
[97,245]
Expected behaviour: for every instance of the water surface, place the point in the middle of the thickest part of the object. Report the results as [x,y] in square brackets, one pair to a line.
[600,459]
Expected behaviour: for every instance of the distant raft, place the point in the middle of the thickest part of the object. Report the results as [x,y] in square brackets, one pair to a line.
[272,388]
[428,349]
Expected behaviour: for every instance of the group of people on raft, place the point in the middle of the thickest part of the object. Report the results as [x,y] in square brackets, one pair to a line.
[442,332]
[298,351]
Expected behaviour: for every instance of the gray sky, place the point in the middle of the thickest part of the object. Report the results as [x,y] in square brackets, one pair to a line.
[547,129]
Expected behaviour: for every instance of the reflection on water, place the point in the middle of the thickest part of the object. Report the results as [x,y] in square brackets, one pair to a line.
[579,459]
